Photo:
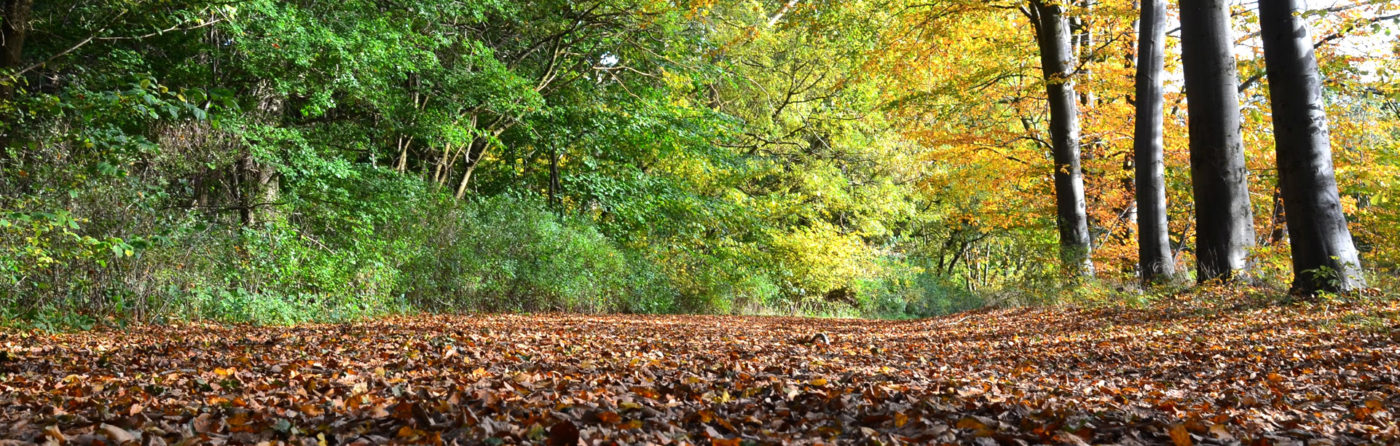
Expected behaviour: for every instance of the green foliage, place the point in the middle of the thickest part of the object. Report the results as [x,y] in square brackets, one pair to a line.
[287,161]
[278,162]
[513,254]
[916,293]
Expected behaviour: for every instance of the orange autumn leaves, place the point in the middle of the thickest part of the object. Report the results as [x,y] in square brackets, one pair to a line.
[1217,369]
[981,110]
[964,76]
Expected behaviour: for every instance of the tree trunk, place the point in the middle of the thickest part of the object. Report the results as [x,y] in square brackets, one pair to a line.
[472,162]
[479,146]
[1154,248]
[1219,179]
[240,196]
[258,191]
[402,165]
[1324,257]
[1084,40]
[1278,230]
[1057,65]
[554,187]
[14,24]
[442,161]
[269,191]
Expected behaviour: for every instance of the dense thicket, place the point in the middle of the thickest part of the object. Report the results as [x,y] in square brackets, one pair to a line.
[288,160]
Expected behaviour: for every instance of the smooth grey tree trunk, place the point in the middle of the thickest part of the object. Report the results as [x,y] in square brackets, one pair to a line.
[1324,257]
[1057,64]
[1219,178]
[1154,247]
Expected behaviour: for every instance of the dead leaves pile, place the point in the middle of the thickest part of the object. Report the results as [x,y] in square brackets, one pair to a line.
[1182,373]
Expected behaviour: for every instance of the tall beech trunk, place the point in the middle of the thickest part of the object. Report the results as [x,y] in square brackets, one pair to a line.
[1324,257]
[1154,247]
[1057,65]
[1219,179]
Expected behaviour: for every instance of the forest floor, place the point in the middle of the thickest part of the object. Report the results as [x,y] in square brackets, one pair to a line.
[1181,371]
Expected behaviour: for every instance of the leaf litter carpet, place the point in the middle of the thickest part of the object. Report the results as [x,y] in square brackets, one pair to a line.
[1176,373]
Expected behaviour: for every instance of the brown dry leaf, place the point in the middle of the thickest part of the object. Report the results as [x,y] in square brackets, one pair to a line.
[970,423]
[205,423]
[1179,435]
[116,434]
[409,433]
[563,433]
[1221,432]
[609,417]
[53,433]
[311,410]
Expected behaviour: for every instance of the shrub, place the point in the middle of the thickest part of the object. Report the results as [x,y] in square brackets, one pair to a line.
[513,254]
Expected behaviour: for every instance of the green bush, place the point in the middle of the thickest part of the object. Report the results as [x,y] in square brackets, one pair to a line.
[513,254]
[908,292]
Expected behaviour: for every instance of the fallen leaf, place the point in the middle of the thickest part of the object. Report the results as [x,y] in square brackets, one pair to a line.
[563,433]
[1180,436]
[117,434]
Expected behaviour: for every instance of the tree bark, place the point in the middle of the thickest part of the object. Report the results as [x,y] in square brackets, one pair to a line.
[402,165]
[14,24]
[478,146]
[258,191]
[444,163]
[1057,66]
[1084,40]
[1324,257]
[555,188]
[1219,178]
[1278,229]
[269,191]
[1154,248]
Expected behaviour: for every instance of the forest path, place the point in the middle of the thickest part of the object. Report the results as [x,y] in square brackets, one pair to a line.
[1177,372]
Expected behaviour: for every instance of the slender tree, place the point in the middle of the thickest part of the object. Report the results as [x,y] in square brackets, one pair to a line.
[14,23]
[1324,257]
[1083,44]
[1154,249]
[1219,178]
[1057,65]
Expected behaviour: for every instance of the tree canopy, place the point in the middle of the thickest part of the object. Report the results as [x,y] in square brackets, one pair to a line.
[278,161]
